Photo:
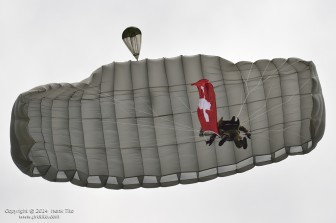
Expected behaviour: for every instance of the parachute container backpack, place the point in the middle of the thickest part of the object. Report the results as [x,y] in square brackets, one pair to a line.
[136,123]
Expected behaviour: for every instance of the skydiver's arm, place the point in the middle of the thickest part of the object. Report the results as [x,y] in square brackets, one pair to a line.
[243,129]
[201,133]
[247,132]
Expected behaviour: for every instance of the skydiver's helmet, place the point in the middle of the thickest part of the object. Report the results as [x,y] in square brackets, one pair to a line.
[235,120]
[233,123]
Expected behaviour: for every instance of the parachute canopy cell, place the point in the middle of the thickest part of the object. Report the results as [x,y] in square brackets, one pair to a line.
[135,124]
[132,38]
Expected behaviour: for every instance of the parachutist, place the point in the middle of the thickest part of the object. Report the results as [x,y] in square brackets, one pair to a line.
[230,131]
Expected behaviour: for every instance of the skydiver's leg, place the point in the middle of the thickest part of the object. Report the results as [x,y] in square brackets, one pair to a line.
[244,142]
[210,141]
[238,142]
[224,138]
[243,129]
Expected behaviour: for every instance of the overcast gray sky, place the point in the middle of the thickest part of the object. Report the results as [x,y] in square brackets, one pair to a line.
[45,41]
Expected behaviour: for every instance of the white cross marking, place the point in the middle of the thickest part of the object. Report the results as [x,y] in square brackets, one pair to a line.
[204,105]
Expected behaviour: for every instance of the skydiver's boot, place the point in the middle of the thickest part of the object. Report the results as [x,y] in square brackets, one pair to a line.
[238,142]
[210,141]
[248,134]
[244,142]
[222,141]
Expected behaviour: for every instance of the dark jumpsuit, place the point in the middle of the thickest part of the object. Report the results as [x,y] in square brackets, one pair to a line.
[230,131]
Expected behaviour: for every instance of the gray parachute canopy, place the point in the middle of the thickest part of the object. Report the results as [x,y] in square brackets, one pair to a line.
[133,124]
[132,38]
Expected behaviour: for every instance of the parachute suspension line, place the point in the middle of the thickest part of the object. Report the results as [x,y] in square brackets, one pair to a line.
[241,96]
[275,130]
[177,124]
[290,98]
[184,104]
[248,92]
[131,139]
[245,82]
[188,109]
[260,80]
[159,126]
[115,101]
[269,91]
[183,127]
[248,77]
